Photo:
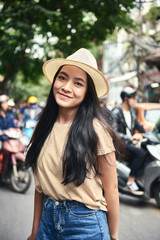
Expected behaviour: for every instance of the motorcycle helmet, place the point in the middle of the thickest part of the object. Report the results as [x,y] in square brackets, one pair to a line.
[32,99]
[128,92]
[11,102]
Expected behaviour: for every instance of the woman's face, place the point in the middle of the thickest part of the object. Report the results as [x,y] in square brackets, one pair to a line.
[70,87]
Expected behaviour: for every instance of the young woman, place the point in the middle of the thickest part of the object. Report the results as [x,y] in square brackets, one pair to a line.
[72,153]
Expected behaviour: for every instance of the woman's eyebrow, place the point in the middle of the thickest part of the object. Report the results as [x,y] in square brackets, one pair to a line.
[80,79]
[77,78]
[64,73]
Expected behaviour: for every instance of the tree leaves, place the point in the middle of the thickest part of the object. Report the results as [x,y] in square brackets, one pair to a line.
[33,31]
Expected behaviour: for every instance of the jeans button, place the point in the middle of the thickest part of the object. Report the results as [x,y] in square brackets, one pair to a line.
[57,203]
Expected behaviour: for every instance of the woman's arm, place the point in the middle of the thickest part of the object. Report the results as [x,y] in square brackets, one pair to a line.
[107,167]
[38,206]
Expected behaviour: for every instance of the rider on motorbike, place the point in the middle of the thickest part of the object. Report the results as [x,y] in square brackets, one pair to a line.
[6,118]
[32,112]
[12,155]
[30,116]
[6,124]
[126,124]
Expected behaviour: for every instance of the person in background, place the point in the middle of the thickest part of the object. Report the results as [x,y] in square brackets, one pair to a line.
[116,104]
[11,107]
[106,112]
[72,153]
[126,124]
[6,124]
[6,118]
[33,111]
[12,110]
[42,104]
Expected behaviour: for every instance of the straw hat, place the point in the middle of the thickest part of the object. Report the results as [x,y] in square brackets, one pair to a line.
[83,59]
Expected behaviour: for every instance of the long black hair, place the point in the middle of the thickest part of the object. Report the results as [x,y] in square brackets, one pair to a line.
[80,154]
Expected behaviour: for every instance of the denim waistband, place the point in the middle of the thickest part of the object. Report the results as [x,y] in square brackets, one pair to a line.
[61,203]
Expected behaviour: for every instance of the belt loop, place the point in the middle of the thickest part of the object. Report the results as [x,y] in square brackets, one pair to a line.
[65,205]
[46,200]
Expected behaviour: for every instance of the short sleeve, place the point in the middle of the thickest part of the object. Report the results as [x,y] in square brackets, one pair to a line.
[37,183]
[105,141]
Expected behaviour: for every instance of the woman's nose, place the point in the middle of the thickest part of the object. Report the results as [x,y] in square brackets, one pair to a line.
[67,86]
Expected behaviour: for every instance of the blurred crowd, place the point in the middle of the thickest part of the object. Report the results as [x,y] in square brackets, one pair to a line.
[22,111]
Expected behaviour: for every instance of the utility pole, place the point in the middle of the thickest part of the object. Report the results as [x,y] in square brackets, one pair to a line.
[140,19]
[139,50]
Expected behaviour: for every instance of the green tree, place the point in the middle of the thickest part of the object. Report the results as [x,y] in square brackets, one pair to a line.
[153,14]
[33,31]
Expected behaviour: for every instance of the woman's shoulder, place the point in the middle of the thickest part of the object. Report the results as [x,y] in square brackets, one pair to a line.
[98,125]
[101,128]
[105,140]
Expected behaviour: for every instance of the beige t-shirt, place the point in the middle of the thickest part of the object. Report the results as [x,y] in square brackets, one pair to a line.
[48,175]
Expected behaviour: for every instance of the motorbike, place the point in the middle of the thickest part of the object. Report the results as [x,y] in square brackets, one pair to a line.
[18,178]
[149,178]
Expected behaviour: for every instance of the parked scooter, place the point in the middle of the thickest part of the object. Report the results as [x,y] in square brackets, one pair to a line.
[149,179]
[18,178]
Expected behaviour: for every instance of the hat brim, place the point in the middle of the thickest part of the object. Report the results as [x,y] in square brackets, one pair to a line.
[50,68]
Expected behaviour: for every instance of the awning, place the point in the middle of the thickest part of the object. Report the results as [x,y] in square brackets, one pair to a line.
[150,76]
[124,77]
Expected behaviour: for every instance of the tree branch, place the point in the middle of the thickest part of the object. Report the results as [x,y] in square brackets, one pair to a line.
[6,5]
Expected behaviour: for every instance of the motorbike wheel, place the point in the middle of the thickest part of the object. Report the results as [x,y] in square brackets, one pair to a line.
[23,182]
[156,191]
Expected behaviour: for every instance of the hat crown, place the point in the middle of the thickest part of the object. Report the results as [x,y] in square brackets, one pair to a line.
[84,56]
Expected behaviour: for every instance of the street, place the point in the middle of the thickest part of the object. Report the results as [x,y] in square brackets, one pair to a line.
[139,220]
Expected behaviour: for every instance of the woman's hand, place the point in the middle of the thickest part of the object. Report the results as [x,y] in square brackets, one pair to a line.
[32,237]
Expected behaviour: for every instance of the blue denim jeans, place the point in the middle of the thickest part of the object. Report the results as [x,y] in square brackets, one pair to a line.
[71,220]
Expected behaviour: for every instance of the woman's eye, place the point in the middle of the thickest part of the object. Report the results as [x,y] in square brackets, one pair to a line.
[61,77]
[79,84]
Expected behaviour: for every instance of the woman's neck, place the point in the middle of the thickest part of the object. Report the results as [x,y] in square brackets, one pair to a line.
[66,115]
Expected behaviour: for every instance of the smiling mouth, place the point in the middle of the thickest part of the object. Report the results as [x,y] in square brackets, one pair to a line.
[65,96]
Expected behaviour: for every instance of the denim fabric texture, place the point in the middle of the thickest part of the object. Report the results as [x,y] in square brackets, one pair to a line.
[71,220]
